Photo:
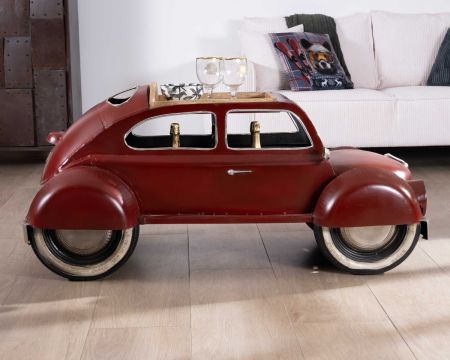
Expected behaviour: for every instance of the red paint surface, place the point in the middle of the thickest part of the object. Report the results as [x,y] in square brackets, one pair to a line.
[367,196]
[172,186]
[343,160]
[84,197]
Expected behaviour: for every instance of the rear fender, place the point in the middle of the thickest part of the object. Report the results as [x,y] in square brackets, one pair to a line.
[367,197]
[84,198]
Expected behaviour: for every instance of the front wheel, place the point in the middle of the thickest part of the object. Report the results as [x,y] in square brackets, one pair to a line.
[84,254]
[368,249]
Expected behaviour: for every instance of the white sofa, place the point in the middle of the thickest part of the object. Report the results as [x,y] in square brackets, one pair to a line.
[389,57]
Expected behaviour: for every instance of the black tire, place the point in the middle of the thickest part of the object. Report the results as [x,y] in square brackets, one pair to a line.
[78,264]
[359,261]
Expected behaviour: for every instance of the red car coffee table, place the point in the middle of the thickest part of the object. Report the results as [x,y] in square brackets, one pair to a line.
[105,177]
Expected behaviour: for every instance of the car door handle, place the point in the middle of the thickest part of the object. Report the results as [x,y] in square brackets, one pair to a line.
[233,172]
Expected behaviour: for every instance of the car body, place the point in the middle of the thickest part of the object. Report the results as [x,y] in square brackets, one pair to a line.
[99,177]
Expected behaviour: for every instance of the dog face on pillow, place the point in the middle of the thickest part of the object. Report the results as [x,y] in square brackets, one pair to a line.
[320,57]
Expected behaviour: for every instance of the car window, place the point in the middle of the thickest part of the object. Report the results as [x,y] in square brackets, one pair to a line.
[122,97]
[185,130]
[266,130]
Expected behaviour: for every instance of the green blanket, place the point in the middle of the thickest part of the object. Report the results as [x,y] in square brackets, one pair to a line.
[320,24]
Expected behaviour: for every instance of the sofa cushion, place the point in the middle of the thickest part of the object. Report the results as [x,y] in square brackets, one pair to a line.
[406,46]
[355,36]
[310,61]
[263,24]
[354,115]
[421,116]
[257,47]
[320,24]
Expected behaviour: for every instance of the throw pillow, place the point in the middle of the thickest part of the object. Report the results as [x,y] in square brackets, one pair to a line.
[257,47]
[320,24]
[310,62]
[440,72]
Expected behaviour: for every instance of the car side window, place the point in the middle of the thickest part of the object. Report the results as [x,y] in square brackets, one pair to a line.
[265,130]
[174,131]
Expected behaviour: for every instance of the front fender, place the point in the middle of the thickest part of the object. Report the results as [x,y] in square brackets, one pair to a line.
[84,198]
[367,197]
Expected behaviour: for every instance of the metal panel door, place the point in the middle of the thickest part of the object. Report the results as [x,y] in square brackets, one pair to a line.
[46,9]
[18,72]
[2,65]
[16,118]
[49,44]
[50,100]
[14,18]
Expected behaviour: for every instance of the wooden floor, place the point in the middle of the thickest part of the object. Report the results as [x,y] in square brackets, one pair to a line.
[225,292]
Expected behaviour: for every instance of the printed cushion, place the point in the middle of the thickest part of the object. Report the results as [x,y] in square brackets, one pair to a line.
[257,47]
[310,62]
[440,73]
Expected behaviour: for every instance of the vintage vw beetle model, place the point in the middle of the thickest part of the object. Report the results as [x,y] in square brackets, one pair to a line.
[140,159]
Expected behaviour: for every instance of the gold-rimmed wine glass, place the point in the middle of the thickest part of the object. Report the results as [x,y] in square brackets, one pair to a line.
[234,73]
[209,72]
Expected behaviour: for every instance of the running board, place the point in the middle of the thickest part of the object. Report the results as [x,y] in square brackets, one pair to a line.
[224,219]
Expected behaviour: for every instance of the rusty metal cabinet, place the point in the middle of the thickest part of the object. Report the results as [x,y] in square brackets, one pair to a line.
[17,63]
[50,101]
[34,70]
[16,117]
[15,18]
[2,71]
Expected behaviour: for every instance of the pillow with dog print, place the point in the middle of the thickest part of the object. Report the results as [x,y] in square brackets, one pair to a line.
[310,62]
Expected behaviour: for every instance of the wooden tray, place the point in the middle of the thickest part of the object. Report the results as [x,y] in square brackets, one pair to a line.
[156,100]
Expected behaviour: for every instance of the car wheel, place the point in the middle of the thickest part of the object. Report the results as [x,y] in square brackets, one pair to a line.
[369,249]
[84,254]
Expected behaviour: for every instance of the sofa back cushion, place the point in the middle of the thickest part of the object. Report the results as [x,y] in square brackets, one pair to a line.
[355,36]
[263,24]
[406,46]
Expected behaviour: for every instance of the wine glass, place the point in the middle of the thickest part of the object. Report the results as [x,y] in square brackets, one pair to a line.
[234,73]
[209,73]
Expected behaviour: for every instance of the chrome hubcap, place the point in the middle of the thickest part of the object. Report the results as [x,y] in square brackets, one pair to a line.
[84,242]
[368,238]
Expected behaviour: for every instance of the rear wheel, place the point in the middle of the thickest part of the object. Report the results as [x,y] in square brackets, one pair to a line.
[84,254]
[368,249]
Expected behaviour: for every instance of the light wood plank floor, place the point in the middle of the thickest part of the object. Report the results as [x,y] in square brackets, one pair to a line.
[256,291]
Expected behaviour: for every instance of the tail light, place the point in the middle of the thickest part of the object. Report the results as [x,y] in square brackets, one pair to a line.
[54,137]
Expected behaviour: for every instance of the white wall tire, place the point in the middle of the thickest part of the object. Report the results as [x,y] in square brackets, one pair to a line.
[384,247]
[75,263]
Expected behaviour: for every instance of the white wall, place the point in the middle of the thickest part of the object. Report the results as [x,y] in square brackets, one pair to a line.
[74,43]
[128,42]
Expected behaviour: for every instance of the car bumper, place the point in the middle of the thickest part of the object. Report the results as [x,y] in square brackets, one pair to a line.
[424,228]
[27,233]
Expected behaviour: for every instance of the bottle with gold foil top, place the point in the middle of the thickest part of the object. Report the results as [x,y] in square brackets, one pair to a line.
[175,135]
[255,130]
